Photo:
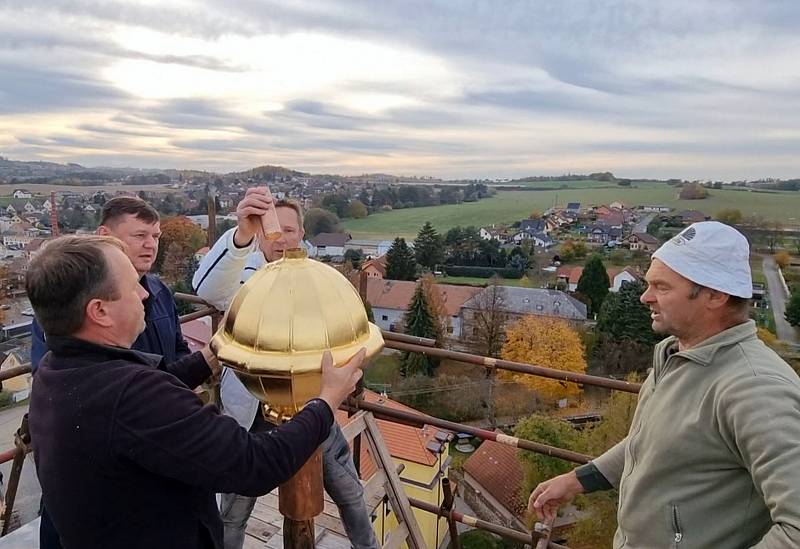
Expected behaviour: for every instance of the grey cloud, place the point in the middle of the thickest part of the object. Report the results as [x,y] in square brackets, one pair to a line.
[33,89]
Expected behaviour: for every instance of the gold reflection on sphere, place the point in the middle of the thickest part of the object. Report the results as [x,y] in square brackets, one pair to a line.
[282,320]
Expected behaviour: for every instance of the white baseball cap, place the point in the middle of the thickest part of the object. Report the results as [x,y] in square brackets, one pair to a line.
[711,254]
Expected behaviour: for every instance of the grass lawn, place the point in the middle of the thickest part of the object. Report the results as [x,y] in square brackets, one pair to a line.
[475,281]
[511,206]
[383,370]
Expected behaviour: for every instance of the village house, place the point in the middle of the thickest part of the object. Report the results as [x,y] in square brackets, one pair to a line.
[643,241]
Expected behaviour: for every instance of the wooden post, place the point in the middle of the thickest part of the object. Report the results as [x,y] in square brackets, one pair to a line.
[212,216]
[299,501]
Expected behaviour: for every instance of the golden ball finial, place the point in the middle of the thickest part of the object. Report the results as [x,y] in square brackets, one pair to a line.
[282,320]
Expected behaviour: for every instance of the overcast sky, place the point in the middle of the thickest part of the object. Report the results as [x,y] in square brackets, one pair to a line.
[692,89]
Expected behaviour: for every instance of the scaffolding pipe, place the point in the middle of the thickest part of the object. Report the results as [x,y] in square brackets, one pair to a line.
[518,367]
[508,533]
[419,420]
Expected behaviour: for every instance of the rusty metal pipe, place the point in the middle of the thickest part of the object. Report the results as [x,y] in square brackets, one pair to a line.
[418,420]
[518,367]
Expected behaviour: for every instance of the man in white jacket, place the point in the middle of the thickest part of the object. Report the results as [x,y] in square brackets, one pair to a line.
[236,255]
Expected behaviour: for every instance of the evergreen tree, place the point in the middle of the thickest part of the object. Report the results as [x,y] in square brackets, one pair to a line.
[400,262]
[594,283]
[792,313]
[419,322]
[429,247]
[623,316]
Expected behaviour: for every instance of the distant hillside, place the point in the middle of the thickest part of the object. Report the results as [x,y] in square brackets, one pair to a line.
[267,173]
[44,172]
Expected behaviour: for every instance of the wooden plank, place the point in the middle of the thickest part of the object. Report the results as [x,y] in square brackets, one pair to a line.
[396,537]
[396,494]
[355,426]
[374,490]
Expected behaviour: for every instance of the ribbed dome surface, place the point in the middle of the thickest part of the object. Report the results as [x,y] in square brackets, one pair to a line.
[282,320]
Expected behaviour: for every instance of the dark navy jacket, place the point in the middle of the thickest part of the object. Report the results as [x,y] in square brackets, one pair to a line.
[161,336]
[116,474]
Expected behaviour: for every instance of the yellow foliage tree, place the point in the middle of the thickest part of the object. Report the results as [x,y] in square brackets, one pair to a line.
[547,342]
[782,258]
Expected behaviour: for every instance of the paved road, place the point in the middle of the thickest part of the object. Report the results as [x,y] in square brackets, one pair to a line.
[641,226]
[777,298]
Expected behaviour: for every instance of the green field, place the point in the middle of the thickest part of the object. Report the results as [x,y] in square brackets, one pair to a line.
[510,206]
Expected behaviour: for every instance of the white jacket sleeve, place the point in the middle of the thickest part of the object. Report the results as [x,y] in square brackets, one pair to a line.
[219,274]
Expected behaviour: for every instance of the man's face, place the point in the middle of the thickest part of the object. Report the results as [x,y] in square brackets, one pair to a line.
[126,312]
[673,311]
[141,238]
[291,235]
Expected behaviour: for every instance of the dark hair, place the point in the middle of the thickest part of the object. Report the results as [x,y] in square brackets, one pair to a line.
[66,274]
[116,208]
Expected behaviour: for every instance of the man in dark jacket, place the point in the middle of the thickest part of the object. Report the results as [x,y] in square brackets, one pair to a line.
[137,224]
[113,473]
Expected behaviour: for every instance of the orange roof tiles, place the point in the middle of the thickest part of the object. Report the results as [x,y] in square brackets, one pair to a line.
[496,467]
[396,294]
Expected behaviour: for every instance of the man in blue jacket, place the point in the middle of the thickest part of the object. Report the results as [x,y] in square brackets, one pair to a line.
[137,224]
[113,472]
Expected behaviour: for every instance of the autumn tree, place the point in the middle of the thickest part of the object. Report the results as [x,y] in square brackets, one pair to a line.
[181,239]
[692,191]
[730,216]
[419,322]
[319,220]
[400,261]
[429,247]
[571,249]
[547,342]
[488,332]
[782,259]
[594,284]
[487,322]
[356,209]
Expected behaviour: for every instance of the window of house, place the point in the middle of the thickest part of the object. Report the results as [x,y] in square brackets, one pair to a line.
[384,317]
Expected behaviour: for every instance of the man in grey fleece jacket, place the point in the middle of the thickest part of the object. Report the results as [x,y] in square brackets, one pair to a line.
[712,458]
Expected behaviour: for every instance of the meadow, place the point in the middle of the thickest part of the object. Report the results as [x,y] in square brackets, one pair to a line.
[511,206]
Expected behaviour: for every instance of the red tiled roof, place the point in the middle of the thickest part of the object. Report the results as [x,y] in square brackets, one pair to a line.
[646,238]
[396,294]
[379,264]
[330,239]
[496,467]
[403,441]
[573,272]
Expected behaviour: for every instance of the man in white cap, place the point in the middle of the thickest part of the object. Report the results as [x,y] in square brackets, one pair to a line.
[712,458]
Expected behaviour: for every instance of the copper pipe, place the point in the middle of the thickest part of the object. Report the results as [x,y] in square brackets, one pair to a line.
[15,371]
[205,311]
[518,367]
[419,420]
[405,338]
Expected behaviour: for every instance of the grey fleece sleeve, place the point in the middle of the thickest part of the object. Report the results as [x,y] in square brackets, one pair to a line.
[611,463]
[760,417]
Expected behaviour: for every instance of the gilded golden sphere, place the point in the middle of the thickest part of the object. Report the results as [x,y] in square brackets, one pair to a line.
[279,324]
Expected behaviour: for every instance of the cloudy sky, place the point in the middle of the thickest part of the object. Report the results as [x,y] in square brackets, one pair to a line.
[694,88]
